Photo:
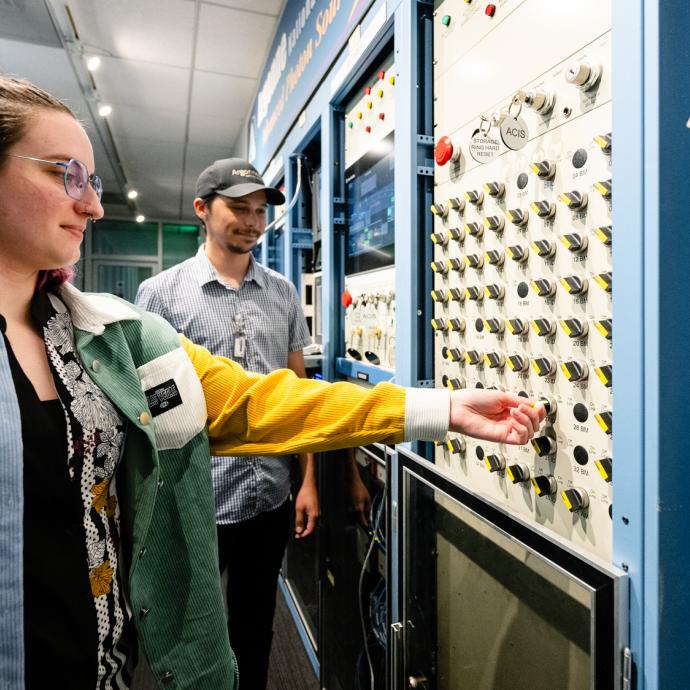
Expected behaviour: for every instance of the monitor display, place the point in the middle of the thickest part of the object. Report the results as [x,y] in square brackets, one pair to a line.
[371,209]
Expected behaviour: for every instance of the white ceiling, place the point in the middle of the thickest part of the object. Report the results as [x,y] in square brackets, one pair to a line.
[180,76]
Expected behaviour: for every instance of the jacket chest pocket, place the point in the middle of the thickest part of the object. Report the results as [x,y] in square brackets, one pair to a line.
[175,398]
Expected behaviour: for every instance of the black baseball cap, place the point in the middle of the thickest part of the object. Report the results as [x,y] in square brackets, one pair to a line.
[234,178]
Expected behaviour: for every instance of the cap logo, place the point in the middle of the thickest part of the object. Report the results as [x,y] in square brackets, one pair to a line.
[245,173]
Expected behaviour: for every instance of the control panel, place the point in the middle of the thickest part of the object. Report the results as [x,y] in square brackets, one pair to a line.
[522,249]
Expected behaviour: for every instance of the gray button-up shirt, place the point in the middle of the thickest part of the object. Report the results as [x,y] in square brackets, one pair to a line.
[265,313]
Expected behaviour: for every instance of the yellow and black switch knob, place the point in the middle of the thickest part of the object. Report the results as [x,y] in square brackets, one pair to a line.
[605,467]
[575,328]
[544,366]
[517,216]
[518,473]
[576,500]
[456,324]
[439,296]
[440,238]
[452,354]
[575,200]
[456,446]
[574,242]
[473,357]
[544,287]
[456,264]
[439,267]
[517,253]
[517,326]
[456,203]
[545,170]
[517,363]
[456,295]
[457,234]
[605,327]
[440,210]
[544,209]
[474,229]
[544,327]
[604,234]
[603,141]
[494,360]
[439,324]
[605,280]
[605,374]
[543,446]
[475,196]
[575,370]
[455,383]
[495,462]
[604,188]
[474,261]
[544,485]
[475,293]
[605,421]
[495,223]
[494,325]
[495,291]
[544,248]
[495,189]
[495,257]
[574,285]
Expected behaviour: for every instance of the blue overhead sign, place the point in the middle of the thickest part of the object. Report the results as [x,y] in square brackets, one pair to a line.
[309,37]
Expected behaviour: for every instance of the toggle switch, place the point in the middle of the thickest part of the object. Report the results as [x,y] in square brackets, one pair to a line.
[456,445]
[518,473]
[575,201]
[439,267]
[439,324]
[517,253]
[605,280]
[476,294]
[550,406]
[584,75]
[604,234]
[544,209]
[495,257]
[456,264]
[574,285]
[544,287]
[439,238]
[457,234]
[544,485]
[605,327]
[575,499]
[474,229]
[543,446]
[494,325]
[544,366]
[517,363]
[539,100]
[455,383]
[574,242]
[475,261]
[495,462]
[473,357]
[605,374]
[457,325]
[475,197]
[604,188]
[603,141]
[495,223]
[575,328]
[605,467]
[518,216]
[544,327]
[439,296]
[575,370]
[495,189]
[545,170]
[517,326]
[494,360]
[456,204]
[439,210]
[495,291]
[452,354]
[456,295]
[544,248]
[605,421]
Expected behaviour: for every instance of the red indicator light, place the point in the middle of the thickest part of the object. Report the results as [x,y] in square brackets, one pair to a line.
[444,150]
[382,74]
[382,116]
[346,299]
[367,90]
[490,10]
[368,128]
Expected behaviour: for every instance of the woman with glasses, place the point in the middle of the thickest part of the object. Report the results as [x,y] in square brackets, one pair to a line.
[107,530]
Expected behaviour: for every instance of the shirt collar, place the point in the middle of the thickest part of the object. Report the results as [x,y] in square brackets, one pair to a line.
[206,271]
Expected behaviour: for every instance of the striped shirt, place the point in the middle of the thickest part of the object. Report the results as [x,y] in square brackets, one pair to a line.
[257,325]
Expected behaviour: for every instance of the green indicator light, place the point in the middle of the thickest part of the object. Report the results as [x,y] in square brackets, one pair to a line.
[446,20]
[349,124]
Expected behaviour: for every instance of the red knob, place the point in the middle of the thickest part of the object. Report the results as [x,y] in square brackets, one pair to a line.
[444,150]
[382,74]
[346,299]
[368,129]
[490,10]
[382,116]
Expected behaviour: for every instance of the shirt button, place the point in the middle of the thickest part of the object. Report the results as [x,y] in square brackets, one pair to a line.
[168,677]
[142,552]
[95,366]
[144,418]
[144,612]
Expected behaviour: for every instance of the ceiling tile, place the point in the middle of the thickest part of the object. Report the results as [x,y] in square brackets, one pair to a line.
[273,7]
[213,131]
[147,125]
[200,157]
[152,163]
[219,95]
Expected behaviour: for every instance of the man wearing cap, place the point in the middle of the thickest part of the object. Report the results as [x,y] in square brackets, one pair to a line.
[224,300]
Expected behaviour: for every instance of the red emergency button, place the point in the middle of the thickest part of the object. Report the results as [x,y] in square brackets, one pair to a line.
[490,10]
[367,90]
[382,116]
[444,150]
[368,129]
[382,74]
[346,298]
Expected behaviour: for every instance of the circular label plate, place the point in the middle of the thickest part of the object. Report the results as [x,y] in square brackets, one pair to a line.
[514,132]
[484,148]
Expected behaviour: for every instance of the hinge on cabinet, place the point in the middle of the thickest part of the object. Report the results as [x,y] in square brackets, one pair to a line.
[425,170]
[425,139]
[626,669]
[425,383]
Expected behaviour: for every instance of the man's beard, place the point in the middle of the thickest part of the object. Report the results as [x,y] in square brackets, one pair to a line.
[237,249]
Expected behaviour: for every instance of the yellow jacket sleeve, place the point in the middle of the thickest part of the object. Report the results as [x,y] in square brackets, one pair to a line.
[252,414]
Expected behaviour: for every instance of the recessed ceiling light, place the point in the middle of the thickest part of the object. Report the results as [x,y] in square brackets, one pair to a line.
[132,194]
[93,63]
[105,110]
[140,218]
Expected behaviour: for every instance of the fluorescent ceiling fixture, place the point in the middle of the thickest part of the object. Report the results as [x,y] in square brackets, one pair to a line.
[104,110]
[93,63]
[132,194]
[140,218]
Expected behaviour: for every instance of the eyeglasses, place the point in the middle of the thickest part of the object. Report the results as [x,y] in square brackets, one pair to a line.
[76,177]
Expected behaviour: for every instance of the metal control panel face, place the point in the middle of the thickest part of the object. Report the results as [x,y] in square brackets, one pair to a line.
[522,250]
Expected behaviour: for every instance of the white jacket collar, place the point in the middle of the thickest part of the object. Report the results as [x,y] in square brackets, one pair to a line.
[94,311]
